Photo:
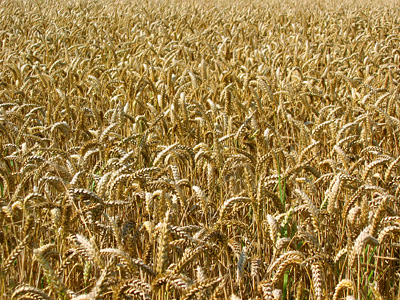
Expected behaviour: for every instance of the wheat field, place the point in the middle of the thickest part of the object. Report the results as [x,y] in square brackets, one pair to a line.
[195,150]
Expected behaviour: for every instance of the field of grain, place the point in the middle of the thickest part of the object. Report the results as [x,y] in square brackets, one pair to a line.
[196,150]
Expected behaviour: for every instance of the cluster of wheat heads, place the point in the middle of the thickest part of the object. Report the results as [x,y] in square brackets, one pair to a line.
[189,151]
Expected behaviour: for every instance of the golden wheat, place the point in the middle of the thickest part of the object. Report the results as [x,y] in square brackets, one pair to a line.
[189,149]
